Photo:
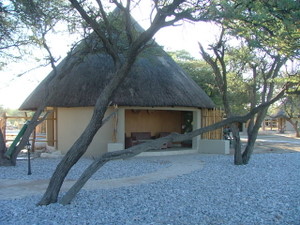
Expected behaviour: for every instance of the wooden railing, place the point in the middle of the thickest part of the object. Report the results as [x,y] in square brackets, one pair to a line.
[209,117]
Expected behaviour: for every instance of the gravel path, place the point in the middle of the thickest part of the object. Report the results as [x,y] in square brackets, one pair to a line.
[267,191]
[43,168]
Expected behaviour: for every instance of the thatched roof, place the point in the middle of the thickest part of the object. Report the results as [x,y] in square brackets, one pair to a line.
[280,113]
[155,80]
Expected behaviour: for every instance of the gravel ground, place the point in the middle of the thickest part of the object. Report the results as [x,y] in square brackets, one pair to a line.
[267,191]
[43,168]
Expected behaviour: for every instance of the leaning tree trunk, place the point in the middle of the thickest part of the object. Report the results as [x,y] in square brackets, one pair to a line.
[236,144]
[137,149]
[295,126]
[154,144]
[250,146]
[82,143]
[53,188]
[2,143]
[3,161]
[121,154]
[253,135]
[297,129]
[30,128]
[72,156]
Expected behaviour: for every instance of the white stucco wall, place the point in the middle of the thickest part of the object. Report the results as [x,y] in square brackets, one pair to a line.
[214,146]
[196,125]
[71,122]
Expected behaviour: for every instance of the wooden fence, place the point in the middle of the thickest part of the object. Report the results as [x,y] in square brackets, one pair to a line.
[209,117]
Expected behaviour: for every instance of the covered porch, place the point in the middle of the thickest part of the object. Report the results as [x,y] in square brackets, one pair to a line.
[139,125]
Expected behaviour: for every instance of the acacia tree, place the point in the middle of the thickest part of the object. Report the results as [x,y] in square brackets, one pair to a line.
[261,72]
[25,25]
[202,74]
[291,103]
[291,111]
[11,37]
[263,26]
[12,41]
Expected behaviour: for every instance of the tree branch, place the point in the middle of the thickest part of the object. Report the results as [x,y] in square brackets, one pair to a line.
[106,22]
[154,144]
[37,122]
[107,45]
[128,21]
[105,120]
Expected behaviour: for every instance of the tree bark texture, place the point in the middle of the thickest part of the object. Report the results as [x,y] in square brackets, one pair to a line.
[2,143]
[253,135]
[268,73]
[81,144]
[3,160]
[238,159]
[295,126]
[219,67]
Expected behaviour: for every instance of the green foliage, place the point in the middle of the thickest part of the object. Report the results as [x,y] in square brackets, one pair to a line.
[9,32]
[238,94]
[200,72]
[291,106]
[24,25]
[40,14]
[288,108]
[11,112]
[270,25]
[239,86]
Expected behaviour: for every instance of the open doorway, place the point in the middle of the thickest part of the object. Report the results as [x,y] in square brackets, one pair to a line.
[144,125]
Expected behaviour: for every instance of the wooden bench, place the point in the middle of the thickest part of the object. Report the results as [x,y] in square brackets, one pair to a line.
[137,138]
[142,137]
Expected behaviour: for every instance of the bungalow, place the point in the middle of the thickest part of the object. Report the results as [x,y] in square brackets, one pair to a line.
[156,98]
